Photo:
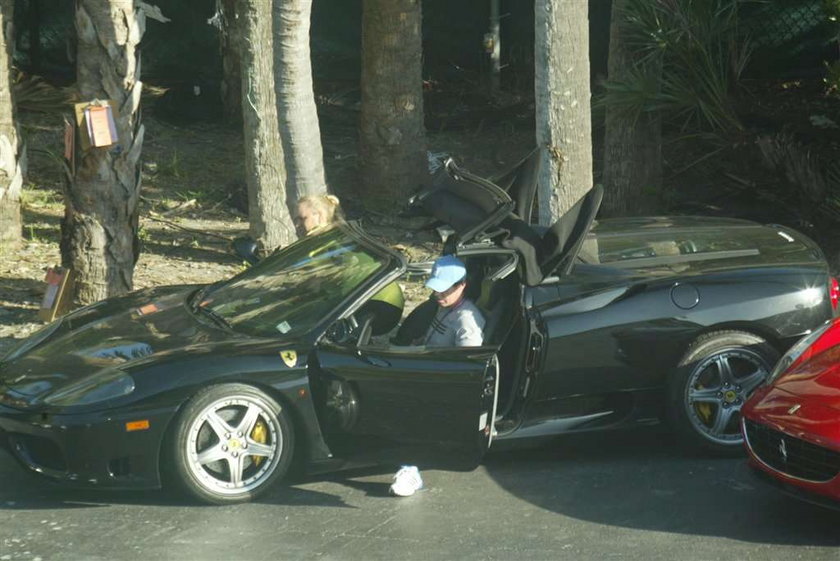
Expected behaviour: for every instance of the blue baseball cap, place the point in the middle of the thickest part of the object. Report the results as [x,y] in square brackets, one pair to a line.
[446,272]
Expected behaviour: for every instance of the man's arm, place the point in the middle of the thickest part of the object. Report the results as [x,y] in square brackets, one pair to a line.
[470,332]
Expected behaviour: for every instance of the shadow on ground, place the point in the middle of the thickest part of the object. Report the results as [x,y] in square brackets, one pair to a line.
[641,480]
[24,491]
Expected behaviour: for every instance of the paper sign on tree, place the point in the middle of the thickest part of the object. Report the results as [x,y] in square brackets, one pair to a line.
[101,127]
[97,123]
[58,294]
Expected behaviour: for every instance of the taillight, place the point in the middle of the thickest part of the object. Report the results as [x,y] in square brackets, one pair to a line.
[834,293]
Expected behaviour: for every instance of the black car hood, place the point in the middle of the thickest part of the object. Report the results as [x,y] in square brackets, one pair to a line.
[94,339]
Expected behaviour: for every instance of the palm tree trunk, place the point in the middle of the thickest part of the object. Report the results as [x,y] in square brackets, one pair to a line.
[563,120]
[392,139]
[11,174]
[632,145]
[231,86]
[270,221]
[296,108]
[99,231]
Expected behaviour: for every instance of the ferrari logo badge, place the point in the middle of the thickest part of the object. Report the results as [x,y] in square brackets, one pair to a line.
[793,409]
[289,357]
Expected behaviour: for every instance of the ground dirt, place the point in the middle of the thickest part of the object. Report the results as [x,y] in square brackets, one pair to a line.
[193,188]
[193,197]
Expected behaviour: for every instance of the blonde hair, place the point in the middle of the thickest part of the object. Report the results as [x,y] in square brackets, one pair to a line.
[327,207]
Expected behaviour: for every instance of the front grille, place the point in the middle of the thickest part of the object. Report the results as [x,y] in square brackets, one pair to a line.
[792,456]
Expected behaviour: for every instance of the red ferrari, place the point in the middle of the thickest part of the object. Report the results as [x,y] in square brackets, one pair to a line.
[791,425]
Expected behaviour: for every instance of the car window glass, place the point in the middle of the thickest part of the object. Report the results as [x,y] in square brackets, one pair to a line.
[292,290]
[690,248]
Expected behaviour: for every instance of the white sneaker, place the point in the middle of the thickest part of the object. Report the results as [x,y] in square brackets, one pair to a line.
[407,481]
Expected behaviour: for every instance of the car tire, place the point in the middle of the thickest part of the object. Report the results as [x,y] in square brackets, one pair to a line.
[229,444]
[715,376]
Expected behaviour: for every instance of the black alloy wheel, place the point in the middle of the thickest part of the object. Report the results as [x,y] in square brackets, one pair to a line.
[717,374]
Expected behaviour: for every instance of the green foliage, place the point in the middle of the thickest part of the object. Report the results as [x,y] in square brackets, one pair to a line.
[35,198]
[832,69]
[186,48]
[33,234]
[832,78]
[171,167]
[832,9]
[688,59]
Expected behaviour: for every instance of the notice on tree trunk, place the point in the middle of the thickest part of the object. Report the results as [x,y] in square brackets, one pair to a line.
[101,128]
[97,123]
[58,293]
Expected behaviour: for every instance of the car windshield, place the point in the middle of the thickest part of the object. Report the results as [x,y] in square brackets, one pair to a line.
[292,290]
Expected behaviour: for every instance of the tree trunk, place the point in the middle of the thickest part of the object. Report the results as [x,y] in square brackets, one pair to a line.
[271,224]
[231,86]
[99,231]
[392,140]
[632,144]
[11,174]
[563,120]
[296,109]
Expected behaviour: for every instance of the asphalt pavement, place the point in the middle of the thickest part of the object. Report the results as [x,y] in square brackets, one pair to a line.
[622,495]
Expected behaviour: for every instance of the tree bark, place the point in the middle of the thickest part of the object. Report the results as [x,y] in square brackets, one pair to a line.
[229,40]
[270,222]
[563,120]
[296,108]
[99,231]
[392,141]
[632,143]
[11,172]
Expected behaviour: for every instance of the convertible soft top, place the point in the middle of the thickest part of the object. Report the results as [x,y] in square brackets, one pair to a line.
[479,210]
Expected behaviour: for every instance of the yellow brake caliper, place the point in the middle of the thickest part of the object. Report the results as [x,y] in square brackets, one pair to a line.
[704,410]
[259,434]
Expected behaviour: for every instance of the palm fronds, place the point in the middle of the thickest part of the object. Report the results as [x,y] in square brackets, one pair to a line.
[33,93]
[688,59]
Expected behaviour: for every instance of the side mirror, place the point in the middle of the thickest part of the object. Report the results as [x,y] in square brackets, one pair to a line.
[342,330]
[348,330]
[246,249]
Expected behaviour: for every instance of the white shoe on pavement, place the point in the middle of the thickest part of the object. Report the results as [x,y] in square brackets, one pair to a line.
[407,481]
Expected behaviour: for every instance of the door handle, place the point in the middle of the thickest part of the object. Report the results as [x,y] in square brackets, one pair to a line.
[374,361]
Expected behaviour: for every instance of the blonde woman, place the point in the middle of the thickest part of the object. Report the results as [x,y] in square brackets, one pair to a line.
[315,212]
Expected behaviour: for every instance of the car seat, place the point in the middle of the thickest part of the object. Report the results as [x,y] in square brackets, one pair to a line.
[385,309]
[497,303]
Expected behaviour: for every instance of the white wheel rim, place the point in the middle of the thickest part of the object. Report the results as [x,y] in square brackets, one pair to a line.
[222,453]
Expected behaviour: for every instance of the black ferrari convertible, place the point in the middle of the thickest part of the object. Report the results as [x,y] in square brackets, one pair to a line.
[218,388]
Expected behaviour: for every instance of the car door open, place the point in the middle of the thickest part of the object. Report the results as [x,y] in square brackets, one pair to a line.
[421,405]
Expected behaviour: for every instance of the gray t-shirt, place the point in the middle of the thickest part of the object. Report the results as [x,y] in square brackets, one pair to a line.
[460,325]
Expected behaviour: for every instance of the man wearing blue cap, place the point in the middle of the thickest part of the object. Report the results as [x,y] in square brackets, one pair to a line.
[457,322]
